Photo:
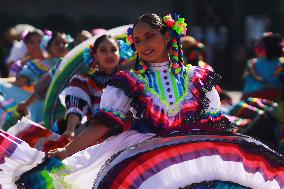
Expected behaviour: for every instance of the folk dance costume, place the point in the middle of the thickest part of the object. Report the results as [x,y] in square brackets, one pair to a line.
[263,79]
[12,95]
[162,102]
[255,117]
[82,97]
[34,69]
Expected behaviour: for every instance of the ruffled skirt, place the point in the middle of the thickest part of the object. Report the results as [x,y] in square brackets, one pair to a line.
[37,136]
[256,117]
[136,160]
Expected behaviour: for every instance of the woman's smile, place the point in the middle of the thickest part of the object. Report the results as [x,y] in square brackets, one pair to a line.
[109,60]
[148,52]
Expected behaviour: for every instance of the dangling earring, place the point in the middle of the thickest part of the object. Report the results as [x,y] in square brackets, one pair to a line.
[94,68]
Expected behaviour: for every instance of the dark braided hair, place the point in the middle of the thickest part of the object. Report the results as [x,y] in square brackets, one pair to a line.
[100,39]
[174,46]
[53,37]
[273,46]
[271,43]
[154,21]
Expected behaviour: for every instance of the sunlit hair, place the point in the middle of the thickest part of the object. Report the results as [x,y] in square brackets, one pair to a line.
[32,33]
[176,28]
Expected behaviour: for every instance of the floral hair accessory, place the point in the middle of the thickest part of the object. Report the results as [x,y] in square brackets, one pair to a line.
[176,24]
[88,54]
[129,38]
[45,39]
[89,60]
[125,50]
[69,38]
[47,32]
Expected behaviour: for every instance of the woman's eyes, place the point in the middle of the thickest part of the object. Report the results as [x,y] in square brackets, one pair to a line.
[136,41]
[32,42]
[103,50]
[114,49]
[147,37]
[150,36]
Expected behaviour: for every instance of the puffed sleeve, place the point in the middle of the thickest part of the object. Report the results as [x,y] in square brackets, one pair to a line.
[204,80]
[214,101]
[76,96]
[113,108]
[212,114]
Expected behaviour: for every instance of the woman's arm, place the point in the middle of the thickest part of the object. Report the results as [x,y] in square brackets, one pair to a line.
[112,100]
[72,121]
[86,138]
[42,86]
[40,89]
[23,107]
[253,73]
[21,81]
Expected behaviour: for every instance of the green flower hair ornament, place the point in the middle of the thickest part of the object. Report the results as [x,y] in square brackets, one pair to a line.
[176,23]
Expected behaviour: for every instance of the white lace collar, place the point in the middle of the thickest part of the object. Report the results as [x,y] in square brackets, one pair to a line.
[158,66]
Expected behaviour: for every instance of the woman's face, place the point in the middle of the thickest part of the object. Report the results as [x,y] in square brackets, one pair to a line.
[58,47]
[107,55]
[150,44]
[33,45]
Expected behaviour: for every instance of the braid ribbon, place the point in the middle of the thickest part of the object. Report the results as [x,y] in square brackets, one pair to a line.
[177,29]
[141,67]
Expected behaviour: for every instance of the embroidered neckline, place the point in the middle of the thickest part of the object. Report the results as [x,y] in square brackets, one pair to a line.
[158,66]
[101,78]
[172,109]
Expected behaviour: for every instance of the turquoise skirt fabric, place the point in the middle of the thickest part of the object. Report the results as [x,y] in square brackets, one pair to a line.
[10,97]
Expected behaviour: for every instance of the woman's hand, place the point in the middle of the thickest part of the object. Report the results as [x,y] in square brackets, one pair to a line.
[23,109]
[89,136]
[60,153]
[69,134]
[25,59]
